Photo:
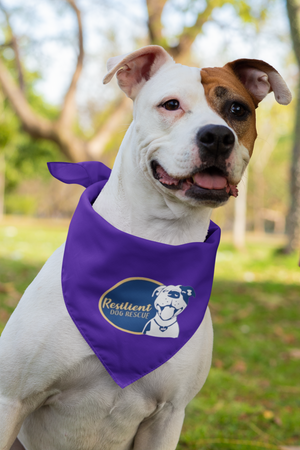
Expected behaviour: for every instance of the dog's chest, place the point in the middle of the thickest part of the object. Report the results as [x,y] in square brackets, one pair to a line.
[96,412]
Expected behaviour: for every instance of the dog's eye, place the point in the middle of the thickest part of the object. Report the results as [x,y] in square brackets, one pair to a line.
[171,105]
[238,110]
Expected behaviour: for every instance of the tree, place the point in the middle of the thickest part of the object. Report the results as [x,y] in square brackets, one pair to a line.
[61,130]
[64,129]
[240,214]
[293,217]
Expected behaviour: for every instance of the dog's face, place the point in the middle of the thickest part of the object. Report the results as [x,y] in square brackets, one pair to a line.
[172,300]
[197,142]
[195,129]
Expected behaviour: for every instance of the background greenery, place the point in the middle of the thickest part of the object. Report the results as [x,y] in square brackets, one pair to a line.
[252,395]
[199,33]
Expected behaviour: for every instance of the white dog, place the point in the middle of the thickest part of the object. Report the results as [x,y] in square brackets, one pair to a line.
[186,150]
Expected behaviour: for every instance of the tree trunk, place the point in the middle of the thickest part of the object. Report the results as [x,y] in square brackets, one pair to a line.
[293,217]
[2,183]
[240,214]
[259,183]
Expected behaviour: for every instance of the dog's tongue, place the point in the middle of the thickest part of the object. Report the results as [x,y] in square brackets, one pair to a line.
[210,181]
[167,312]
[203,179]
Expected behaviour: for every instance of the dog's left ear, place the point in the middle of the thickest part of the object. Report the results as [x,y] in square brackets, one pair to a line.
[134,69]
[259,78]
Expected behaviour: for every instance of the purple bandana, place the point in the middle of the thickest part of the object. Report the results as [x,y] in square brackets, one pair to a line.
[136,302]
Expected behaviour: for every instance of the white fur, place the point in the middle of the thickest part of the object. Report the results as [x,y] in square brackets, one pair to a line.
[51,383]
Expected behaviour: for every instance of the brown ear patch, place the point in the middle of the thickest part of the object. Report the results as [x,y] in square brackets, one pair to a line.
[260,78]
[222,90]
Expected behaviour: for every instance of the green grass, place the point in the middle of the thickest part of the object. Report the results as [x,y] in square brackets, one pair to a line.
[24,247]
[252,395]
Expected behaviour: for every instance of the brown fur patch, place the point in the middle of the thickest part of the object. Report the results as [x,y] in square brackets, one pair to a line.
[222,88]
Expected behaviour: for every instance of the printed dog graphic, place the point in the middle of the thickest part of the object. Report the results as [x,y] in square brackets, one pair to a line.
[170,302]
[190,141]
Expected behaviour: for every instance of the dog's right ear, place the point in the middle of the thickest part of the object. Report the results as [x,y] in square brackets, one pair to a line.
[134,69]
[157,291]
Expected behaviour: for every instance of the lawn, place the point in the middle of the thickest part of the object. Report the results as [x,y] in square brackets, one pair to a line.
[252,396]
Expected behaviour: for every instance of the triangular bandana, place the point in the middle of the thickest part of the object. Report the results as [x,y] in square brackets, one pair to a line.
[136,302]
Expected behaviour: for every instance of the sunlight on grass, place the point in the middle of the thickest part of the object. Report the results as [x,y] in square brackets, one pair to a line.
[31,240]
[260,261]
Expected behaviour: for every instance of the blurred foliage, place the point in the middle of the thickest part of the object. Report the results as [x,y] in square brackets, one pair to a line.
[26,158]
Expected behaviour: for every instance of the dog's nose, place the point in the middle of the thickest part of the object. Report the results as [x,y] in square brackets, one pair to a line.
[216,139]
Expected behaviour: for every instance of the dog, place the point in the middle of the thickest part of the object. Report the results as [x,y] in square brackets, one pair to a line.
[191,138]
[169,303]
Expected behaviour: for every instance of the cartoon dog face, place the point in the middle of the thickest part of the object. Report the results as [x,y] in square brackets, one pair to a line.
[171,300]
[169,303]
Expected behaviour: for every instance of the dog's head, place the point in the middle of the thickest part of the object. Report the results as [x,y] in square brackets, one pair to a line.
[170,301]
[194,129]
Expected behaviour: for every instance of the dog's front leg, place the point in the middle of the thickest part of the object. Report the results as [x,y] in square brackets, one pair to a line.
[12,414]
[160,431]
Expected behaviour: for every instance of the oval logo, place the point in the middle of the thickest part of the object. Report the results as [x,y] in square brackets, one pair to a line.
[129,305]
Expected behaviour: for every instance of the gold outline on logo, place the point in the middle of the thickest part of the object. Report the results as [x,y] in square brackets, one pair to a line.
[114,287]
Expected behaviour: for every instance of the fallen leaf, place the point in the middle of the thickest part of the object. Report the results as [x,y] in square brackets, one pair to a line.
[218,363]
[294,353]
[278,330]
[239,366]
[13,295]
[288,447]
[4,315]
[278,421]
[218,406]
[268,414]
[264,383]
[288,338]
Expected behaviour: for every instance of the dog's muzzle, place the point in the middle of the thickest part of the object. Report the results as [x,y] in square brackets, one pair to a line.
[215,141]
[208,183]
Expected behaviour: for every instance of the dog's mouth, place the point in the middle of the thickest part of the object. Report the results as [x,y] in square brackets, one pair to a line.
[167,312]
[210,183]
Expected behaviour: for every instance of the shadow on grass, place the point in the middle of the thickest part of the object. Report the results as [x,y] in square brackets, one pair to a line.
[252,394]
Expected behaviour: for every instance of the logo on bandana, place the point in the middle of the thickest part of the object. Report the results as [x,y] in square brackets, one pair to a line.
[144,306]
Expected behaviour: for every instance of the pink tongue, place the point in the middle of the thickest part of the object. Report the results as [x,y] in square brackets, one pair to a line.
[208,181]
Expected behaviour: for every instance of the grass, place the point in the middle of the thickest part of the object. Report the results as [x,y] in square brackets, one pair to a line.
[24,247]
[252,395]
